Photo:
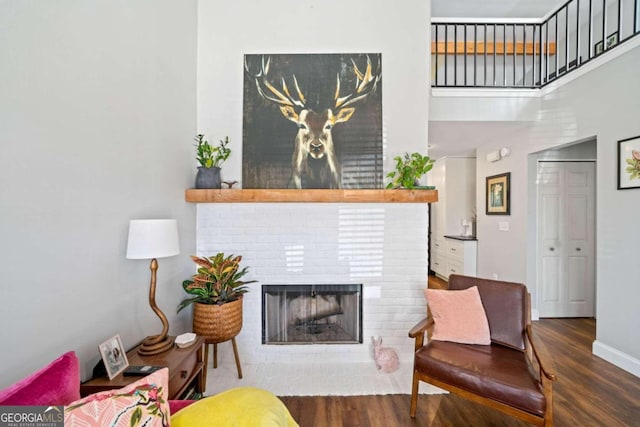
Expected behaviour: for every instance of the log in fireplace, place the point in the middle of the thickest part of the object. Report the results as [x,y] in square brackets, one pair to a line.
[312,314]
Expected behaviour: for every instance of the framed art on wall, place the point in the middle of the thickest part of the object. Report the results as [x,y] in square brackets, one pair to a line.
[599,48]
[612,40]
[312,121]
[629,163]
[498,194]
[113,355]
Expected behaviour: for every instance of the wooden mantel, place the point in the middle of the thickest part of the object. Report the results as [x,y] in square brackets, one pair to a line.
[316,196]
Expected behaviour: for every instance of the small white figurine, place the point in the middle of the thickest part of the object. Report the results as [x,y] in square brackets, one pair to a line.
[386,358]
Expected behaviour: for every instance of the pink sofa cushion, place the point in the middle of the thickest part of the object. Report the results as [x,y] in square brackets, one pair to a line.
[58,383]
[176,405]
[458,316]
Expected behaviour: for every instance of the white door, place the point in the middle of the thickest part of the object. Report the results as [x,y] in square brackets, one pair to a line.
[566,232]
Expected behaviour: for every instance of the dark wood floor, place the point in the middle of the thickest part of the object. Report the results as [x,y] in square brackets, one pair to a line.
[589,392]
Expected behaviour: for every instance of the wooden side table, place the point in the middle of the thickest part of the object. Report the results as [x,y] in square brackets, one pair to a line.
[185,366]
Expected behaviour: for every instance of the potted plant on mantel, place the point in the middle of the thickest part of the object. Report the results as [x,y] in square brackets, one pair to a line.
[210,159]
[408,171]
[216,291]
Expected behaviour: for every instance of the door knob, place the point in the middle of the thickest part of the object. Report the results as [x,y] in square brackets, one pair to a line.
[578,249]
[552,249]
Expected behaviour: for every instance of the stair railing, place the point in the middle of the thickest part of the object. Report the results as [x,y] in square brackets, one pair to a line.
[529,53]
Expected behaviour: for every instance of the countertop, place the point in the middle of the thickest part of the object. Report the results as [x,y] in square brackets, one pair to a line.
[464,238]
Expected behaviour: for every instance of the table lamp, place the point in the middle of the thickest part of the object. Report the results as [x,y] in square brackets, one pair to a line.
[151,239]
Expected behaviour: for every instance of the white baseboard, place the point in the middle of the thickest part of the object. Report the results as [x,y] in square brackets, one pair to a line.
[535,314]
[616,357]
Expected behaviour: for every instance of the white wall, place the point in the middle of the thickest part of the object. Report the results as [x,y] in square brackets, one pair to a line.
[606,103]
[490,105]
[97,113]
[502,252]
[382,246]
[400,32]
[603,103]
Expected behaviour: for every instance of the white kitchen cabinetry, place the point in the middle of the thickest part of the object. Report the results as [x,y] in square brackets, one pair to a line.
[439,257]
[455,180]
[461,256]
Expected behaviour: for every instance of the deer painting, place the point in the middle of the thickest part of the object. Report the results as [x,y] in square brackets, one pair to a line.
[314,161]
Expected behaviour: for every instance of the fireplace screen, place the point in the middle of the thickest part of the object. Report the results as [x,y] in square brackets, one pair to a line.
[312,314]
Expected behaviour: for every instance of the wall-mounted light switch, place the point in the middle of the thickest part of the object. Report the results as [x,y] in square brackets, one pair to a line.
[503,226]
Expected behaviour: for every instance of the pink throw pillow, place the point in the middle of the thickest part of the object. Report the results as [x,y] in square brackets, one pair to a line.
[142,403]
[458,316]
[58,383]
[176,405]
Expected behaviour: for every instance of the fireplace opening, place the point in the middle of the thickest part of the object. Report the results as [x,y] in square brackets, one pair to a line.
[312,314]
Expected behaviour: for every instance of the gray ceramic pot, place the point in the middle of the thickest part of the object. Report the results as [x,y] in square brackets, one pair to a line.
[208,178]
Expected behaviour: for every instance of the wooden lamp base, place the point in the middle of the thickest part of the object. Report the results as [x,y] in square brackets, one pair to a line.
[151,345]
[156,344]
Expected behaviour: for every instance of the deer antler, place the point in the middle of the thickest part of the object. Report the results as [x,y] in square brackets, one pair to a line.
[270,93]
[366,83]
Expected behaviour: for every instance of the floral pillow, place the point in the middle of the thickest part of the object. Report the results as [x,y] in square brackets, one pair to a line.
[142,403]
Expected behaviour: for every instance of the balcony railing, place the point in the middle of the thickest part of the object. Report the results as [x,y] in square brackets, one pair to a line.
[529,54]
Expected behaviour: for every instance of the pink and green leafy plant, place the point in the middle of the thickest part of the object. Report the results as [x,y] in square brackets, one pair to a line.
[217,280]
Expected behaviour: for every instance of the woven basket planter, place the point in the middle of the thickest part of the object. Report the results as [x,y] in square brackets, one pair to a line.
[218,323]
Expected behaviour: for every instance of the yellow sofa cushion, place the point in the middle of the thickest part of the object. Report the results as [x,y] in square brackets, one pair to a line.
[238,407]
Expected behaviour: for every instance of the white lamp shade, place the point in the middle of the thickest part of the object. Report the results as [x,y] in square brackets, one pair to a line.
[152,238]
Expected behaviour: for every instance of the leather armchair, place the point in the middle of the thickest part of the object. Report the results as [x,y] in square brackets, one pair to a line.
[514,374]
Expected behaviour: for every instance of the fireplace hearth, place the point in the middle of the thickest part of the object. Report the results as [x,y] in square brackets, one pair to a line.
[312,314]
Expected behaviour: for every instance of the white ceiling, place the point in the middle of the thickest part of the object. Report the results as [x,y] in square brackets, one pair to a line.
[493,8]
[462,138]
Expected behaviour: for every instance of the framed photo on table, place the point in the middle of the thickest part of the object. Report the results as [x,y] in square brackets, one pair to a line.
[498,194]
[113,356]
[629,163]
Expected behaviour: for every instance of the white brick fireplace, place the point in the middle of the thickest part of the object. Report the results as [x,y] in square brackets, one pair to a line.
[383,246]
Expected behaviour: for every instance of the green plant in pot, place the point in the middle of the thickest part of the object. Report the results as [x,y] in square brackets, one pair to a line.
[216,294]
[409,169]
[217,280]
[210,159]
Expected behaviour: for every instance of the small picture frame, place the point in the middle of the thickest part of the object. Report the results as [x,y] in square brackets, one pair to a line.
[612,40]
[498,194]
[599,48]
[629,163]
[113,356]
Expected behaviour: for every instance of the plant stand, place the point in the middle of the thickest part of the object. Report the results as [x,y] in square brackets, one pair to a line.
[215,354]
[218,324]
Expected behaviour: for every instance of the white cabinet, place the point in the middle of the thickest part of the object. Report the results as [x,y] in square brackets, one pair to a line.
[455,180]
[461,256]
[439,257]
